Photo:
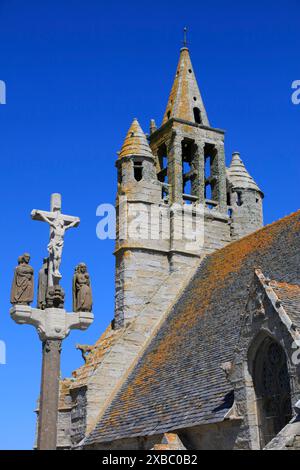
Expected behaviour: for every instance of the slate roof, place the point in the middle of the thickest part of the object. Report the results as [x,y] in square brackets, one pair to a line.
[178,381]
[289,295]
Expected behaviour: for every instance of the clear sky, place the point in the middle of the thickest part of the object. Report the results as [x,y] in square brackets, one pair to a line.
[77,73]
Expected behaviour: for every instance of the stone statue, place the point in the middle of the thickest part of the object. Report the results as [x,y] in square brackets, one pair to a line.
[22,287]
[82,292]
[58,227]
[43,284]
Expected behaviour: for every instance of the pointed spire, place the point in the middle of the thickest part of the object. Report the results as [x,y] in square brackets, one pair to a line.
[135,142]
[239,176]
[185,95]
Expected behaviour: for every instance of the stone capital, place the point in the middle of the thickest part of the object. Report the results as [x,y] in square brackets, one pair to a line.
[51,323]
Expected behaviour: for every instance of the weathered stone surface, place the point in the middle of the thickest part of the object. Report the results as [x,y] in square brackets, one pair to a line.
[22,286]
[51,323]
[82,291]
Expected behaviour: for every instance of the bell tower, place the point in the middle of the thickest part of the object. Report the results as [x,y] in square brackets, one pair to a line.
[190,157]
[167,184]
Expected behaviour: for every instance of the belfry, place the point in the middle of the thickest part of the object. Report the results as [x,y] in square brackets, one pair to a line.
[180,167]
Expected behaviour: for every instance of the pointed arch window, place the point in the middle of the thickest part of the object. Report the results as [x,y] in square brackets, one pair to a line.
[272,389]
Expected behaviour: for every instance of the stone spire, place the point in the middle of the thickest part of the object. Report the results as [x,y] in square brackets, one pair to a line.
[185,101]
[239,176]
[135,142]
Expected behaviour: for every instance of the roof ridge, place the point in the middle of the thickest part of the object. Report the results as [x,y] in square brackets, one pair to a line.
[252,234]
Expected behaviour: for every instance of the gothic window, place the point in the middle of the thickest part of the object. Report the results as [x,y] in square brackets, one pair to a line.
[138,170]
[272,389]
[197,116]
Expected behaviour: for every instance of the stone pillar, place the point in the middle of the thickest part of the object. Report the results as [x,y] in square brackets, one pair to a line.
[53,326]
[198,184]
[220,169]
[47,435]
[175,168]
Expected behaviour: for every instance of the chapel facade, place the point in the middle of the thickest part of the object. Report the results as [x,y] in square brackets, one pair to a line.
[200,353]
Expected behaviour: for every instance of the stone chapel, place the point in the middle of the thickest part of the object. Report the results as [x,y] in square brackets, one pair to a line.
[202,350]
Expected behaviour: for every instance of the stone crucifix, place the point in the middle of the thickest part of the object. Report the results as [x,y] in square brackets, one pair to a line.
[51,320]
[59,224]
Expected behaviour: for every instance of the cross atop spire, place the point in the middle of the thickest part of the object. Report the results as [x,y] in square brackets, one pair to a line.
[185,37]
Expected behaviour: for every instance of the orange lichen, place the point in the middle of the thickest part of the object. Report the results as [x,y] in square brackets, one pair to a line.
[64,390]
[184,91]
[286,291]
[135,142]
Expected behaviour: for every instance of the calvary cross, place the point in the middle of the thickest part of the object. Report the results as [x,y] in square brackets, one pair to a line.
[53,324]
[59,223]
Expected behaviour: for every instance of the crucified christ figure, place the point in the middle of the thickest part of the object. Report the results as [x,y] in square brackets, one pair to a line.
[58,228]
[59,224]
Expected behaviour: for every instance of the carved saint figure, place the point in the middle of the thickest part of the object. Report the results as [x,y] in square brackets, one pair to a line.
[43,284]
[58,228]
[22,287]
[82,292]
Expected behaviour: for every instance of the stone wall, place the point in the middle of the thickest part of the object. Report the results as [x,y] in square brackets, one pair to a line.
[78,415]
[120,359]
[248,217]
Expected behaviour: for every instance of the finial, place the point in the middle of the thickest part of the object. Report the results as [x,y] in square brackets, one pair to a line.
[185,36]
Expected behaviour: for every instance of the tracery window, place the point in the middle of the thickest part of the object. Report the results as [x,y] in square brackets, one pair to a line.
[272,388]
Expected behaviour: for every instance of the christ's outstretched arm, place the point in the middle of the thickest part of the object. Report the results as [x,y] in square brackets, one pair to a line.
[72,224]
[45,219]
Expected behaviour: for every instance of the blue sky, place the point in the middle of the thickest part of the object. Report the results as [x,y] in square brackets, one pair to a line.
[77,73]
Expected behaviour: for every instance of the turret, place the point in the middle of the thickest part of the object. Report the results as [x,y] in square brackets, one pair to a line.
[245,199]
[136,166]
[141,261]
